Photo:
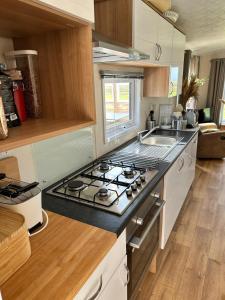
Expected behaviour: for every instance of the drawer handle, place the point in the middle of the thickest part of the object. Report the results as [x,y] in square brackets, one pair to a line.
[128,275]
[93,297]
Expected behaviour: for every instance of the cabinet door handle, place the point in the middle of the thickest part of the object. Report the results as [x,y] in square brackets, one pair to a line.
[157,52]
[128,275]
[160,52]
[93,297]
[182,164]
[191,159]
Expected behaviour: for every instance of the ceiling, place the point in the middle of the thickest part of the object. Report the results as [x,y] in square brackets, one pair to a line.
[203,21]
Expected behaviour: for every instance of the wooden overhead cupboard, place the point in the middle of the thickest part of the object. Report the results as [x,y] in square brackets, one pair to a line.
[62,35]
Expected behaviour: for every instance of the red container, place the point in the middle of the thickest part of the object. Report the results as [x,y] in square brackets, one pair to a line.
[18,94]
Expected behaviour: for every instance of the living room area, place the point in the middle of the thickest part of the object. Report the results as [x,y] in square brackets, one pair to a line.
[205,68]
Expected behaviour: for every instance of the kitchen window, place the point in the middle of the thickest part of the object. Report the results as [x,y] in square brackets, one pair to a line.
[120,107]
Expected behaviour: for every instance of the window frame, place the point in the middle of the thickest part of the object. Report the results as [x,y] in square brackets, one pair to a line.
[125,127]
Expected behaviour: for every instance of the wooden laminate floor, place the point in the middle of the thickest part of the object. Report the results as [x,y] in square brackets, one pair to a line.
[192,266]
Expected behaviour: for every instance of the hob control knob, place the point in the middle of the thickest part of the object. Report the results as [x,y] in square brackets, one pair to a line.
[138,182]
[134,186]
[142,177]
[129,192]
[138,221]
[155,195]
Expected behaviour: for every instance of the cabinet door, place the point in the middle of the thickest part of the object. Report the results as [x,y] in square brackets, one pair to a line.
[190,153]
[100,278]
[145,29]
[165,41]
[117,286]
[79,8]
[174,195]
[179,40]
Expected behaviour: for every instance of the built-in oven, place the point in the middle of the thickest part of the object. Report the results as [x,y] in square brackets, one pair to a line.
[143,236]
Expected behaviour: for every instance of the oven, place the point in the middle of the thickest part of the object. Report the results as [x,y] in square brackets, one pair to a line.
[143,236]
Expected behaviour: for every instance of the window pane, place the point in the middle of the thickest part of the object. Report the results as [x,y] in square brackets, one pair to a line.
[117,103]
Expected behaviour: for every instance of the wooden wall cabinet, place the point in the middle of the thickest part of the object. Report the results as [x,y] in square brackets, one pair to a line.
[64,46]
[161,82]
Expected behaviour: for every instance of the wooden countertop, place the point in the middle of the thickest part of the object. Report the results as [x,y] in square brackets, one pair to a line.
[63,257]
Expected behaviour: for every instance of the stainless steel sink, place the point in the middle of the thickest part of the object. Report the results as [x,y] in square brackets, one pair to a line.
[163,141]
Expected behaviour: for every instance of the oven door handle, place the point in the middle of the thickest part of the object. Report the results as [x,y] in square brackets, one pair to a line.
[136,242]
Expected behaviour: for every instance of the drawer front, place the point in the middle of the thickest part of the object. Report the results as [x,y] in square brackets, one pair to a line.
[101,276]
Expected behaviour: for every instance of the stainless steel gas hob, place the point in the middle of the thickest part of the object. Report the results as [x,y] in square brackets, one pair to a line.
[107,185]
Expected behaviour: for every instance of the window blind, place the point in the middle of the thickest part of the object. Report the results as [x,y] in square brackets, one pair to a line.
[116,74]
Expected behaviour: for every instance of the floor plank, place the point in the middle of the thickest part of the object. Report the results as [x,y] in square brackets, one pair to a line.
[214,284]
[192,266]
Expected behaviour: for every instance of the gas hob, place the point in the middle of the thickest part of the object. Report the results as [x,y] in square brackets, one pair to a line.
[107,185]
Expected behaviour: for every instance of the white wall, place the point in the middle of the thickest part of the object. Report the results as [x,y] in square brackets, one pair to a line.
[204,72]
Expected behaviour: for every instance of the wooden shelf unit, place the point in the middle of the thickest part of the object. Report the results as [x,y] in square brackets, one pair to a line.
[64,46]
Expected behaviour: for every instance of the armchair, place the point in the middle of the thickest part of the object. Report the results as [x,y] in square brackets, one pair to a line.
[211,144]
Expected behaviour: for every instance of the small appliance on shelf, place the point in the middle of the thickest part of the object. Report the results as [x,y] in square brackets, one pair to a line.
[23,198]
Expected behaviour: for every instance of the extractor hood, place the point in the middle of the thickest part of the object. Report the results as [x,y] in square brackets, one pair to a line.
[107,51]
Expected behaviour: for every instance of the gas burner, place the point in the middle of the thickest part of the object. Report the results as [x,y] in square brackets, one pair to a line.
[104,166]
[103,193]
[129,172]
[76,185]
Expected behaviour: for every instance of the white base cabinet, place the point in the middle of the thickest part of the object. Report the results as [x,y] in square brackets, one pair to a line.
[177,183]
[117,286]
[110,272]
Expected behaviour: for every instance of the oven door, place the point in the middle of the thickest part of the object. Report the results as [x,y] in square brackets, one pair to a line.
[143,245]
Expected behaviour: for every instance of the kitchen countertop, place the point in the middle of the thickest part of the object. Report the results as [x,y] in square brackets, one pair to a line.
[112,222]
[64,255]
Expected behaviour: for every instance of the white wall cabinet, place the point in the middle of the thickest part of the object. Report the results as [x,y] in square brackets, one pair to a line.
[178,47]
[145,29]
[83,9]
[177,183]
[151,33]
[155,36]
[110,271]
[165,41]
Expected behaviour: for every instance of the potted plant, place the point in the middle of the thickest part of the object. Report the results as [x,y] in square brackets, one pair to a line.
[190,89]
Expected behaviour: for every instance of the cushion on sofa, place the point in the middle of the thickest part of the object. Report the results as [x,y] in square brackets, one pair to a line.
[208,127]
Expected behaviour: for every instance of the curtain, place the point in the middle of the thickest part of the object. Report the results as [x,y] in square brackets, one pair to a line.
[187,62]
[216,87]
[194,65]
